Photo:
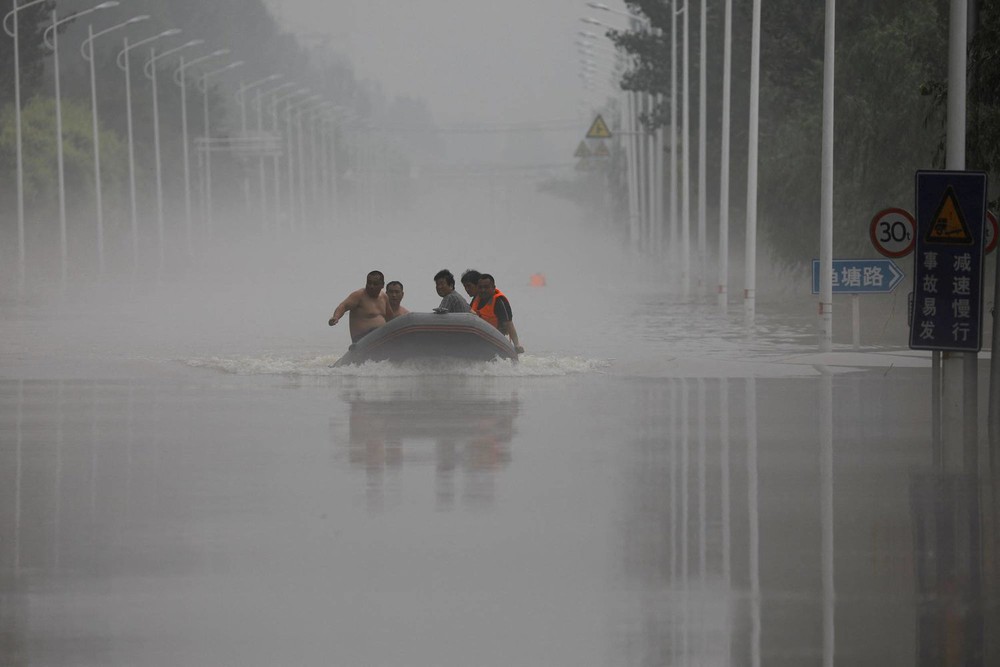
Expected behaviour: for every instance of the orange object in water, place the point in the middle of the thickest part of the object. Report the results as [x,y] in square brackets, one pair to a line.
[537,280]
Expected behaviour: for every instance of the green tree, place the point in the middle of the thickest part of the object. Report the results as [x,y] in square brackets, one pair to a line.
[40,160]
[884,128]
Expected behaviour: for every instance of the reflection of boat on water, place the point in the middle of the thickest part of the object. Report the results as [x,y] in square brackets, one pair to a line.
[431,335]
[464,439]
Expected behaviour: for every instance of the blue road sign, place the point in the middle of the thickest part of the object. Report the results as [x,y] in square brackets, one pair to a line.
[861,276]
[948,261]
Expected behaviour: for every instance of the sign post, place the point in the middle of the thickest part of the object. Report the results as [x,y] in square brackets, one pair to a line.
[948,297]
[948,263]
[859,276]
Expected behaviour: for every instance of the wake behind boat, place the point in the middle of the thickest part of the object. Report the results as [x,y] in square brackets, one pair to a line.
[431,335]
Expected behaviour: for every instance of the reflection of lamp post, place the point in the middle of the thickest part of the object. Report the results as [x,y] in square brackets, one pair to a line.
[150,71]
[180,80]
[87,51]
[53,29]
[208,140]
[123,61]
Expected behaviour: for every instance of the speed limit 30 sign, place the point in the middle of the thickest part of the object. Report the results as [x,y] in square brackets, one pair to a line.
[891,232]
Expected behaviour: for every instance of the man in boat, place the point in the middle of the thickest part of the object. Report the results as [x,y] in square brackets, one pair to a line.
[394,293]
[367,306]
[492,305]
[451,301]
[470,280]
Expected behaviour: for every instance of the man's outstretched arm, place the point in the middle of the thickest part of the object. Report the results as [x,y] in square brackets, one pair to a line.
[347,304]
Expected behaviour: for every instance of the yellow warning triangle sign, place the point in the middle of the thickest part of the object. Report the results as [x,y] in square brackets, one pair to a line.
[601,150]
[582,150]
[948,225]
[598,129]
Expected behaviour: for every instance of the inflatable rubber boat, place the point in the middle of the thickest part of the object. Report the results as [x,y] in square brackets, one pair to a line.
[462,336]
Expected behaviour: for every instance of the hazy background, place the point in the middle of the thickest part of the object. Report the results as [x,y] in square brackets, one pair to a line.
[473,62]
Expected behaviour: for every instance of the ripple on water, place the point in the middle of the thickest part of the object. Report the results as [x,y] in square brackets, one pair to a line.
[528,366]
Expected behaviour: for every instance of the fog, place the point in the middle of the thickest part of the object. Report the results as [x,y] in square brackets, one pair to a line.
[185,478]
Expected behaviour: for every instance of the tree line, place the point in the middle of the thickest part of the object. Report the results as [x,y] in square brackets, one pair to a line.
[250,32]
[890,102]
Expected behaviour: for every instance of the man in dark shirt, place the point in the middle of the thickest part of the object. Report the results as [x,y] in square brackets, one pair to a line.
[451,301]
[470,280]
[493,306]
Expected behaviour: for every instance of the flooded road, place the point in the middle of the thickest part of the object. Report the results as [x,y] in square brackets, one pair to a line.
[184,480]
[189,516]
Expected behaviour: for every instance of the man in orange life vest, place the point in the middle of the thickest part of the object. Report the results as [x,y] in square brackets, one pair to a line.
[493,306]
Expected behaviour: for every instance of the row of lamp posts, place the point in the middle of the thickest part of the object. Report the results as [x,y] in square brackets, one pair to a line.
[321,113]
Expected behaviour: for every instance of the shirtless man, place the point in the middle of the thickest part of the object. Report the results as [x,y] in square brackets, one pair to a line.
[368,307]
[394,292]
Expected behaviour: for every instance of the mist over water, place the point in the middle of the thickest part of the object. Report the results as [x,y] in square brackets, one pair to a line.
[184,479]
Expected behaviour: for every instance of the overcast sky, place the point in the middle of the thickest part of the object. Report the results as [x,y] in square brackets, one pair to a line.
[471,60]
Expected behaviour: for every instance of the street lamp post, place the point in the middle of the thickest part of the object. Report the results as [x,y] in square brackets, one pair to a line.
[123,61]
[149,69]
[87,51]
[288,150]
[53,29]
[180,80]
[260,95]
[208,140]
[299,168]
[241,100]
[12,31]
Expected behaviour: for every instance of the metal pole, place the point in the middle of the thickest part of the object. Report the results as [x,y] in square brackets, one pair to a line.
[727,80]
[156,152]
[21,255]
[302,170]
[131,159]
[632,175]
[959,395]
[260,165]
[674,220]
[63,241]
[702,141]
[750,286]
[686,160]
[993,410]
[826,198]
[277,167]
[97,151]
[207,196]
[187,162]
[290,161]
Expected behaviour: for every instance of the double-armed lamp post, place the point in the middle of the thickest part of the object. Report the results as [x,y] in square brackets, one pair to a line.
[87,51]
[51,39]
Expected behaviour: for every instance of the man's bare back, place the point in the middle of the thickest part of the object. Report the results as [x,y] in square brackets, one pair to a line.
[367,307]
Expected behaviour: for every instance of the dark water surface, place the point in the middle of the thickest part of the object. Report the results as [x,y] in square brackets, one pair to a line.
[170,515]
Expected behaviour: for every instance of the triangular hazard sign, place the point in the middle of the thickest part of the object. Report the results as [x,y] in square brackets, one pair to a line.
[948,225]
[601,150]
[582,150]
[598,129]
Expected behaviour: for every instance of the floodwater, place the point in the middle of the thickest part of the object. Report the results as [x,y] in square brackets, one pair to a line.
[670,492]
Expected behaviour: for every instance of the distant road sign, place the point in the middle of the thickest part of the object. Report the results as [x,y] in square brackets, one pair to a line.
[598,129]
[861,276]
[891,232]
[948,262]
[992,232]
[582,150]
